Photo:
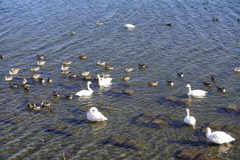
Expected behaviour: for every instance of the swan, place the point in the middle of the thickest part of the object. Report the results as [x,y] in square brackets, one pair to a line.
[104,82]
[94,115]
[129,26]
[85,92]
[189,119]
[218,137]
[196,92]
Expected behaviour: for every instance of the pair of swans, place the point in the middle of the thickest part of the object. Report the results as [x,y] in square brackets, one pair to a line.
[102,82]
[217,137]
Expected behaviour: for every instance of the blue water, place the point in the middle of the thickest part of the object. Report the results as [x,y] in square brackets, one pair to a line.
[194,45]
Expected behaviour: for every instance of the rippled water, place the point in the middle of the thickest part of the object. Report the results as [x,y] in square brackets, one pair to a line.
[194,45]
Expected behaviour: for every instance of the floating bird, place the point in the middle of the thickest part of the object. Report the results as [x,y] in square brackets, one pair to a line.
[72,76]
[64,68]
[104,82]
[45,104]
[66,72]
[13,85]
[35,68]
[41,80]
[24,81]
[14,71]
[26,89]
[171,83]
[49,80]
[1,57]
[237,69]
[129,26]
[88,77]
[180,74]
[85,92]
[128,69]
[56,94]
[99,23]
[8,78]
[73,33]
[219,137]
[107,67]
[36,76]
[85,73]
[40,56]
[82,57]
[66,63]
[94,115]
[215,19]
[125,78]
[101,63]
[41,63]
[207,84]
[221,89]
[196,92]
[104,75]
[189,119]
[141,66]
[154,84]
[168,24]
[69,96]
[213,78]
[34,106]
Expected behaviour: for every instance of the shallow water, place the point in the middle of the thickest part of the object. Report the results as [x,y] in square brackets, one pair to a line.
[194,45]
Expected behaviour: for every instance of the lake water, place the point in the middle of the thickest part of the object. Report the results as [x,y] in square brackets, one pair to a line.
[147,124]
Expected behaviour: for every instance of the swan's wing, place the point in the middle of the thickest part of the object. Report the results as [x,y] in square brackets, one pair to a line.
[221,137]
[100,116]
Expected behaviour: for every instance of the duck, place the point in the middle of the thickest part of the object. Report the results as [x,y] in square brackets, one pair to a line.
[221,89]
[99,23]
[64,68]
[66,63]
[105,75]
[56,94]
[85,73]
[213,78]
[66,72]
[14,71]
[129,26]
[180,74]
[35,68]
[209,84]
[73,33]
[82,57]
[104,82]
[41,80]
[94,115]
[128,69]
[49,80]
[36,76]
[170,82]
[107,67]
[125,78]
[218,137]
[189,119]
[85,92]
[26,89]
[215,19]
[13,85]
[1,57]
[153,83]
[69,96]
[196,92]
[168,24]
[34,106]
[45,104]
[101,63]
[41,63]
[88,77]
[8,78]
[142,66]
[24,81]
[72,76]
[40,56]
[237,69]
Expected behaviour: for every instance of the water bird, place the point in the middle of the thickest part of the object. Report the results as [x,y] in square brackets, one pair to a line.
[94,115]
[170,82]
[24,81]
[66,63]
[45,104]
[85,73]
[104,75]
[69,96]
[154,84]
[189,119]
[34,69]
[66,72]
[41,80]
[101,63]
[8,78]
[64,68]
[207,84]
[168,24]
[221,89]
[26,89]
[213,78]
[85,92]
[129,26]
[41,63]
[196,92]
[56,94]
[128,69]
[215,19]
[87,77]
[82,57]
[49,80]
[40,56]
[73,33]
[36,76]
[1,57]
[13,85]
[218,137]
[142,66]
[237,69]
[14,71]
[125,78]
[99,23]
[34,106]
[108,67]
[180,74]
[104,82]
[72,76]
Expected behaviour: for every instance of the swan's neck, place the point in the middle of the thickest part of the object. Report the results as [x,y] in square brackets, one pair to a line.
[88,86]
[188,114]
[99,79]
[189,88]
[208,132]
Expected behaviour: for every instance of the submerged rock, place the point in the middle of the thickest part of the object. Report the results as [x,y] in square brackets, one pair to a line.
[129,91]
[189,154]
[174,101]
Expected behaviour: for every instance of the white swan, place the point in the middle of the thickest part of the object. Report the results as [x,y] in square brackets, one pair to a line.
[129,26]
[189,119]
[104,82]
[196,92]
[94,115]
[85,92]
[218,137]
